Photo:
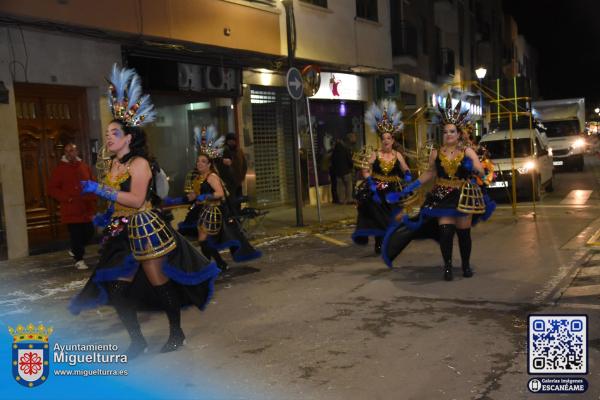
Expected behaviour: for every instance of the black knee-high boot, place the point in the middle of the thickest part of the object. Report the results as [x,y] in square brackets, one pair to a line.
[446,242]
[378,241]
[209,253]
[464,244]
[171,303]
[126,310]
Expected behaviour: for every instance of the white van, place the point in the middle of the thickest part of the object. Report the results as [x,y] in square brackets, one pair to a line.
[564,120]
[538,162]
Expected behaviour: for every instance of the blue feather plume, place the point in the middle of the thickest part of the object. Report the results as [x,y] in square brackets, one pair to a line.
[374,114]
[125,98]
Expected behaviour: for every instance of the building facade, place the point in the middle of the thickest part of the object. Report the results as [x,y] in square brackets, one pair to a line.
[349,42]
[190,54]
[438,44]
[208,61]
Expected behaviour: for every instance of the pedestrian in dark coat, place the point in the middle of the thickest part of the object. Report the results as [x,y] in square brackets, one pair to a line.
[232,169]
[343,167]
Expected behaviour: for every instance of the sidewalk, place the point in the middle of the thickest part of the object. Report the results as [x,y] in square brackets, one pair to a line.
[279,221]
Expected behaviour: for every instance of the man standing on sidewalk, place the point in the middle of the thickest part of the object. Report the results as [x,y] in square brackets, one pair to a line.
[76,210]
[343,167]
[232,169]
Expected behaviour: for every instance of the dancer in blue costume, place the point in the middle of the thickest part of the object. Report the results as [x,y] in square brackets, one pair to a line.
[384,171]
[143,261]
[211,215]
[454,203]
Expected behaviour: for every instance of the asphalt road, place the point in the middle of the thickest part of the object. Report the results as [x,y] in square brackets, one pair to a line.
[320,318]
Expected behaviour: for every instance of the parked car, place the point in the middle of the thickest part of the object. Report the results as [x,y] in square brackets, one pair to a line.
[533,165]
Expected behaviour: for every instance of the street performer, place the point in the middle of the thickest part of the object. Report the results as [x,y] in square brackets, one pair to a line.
[455,201]
[211,210]
[384,171]
[172,273]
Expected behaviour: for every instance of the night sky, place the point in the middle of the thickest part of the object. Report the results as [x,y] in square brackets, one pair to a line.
[566,34]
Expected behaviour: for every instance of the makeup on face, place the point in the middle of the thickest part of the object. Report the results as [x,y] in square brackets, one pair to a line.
[115,137]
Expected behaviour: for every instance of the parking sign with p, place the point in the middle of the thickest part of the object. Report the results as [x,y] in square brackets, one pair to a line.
[389,86]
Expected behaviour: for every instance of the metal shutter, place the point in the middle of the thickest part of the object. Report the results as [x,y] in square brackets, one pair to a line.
[273,145]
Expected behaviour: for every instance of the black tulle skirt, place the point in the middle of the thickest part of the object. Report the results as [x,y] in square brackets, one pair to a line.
[373,217]
[193,275]
[440,202]
[229,236]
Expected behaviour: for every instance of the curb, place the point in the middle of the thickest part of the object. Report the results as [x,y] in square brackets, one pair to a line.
[308,229]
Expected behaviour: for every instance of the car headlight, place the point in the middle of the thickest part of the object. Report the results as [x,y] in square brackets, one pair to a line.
[525,168]
[578,144]
[550,151]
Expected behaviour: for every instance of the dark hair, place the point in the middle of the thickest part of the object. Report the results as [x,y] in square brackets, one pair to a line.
[138,146]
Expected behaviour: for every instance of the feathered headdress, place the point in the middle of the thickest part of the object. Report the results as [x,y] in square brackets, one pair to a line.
[125,98]
[209,142]
[453,115]
[384,118]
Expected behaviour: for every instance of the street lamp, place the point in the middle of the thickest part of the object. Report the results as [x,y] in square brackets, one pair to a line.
[480,72]
[290,25]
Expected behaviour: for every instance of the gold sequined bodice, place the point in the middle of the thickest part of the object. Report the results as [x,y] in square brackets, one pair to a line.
[385,167]
[450,166]
[115,183]
[193,181]
[197,183]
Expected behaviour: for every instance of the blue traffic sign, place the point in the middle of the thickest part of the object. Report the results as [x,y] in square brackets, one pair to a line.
[294,83]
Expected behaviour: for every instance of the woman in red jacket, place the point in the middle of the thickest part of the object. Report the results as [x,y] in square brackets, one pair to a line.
[76,210]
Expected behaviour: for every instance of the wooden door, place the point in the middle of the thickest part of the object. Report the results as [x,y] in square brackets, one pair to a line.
[48,117]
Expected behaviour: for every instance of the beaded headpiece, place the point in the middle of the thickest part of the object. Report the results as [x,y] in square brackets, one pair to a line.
[209,142]
[453,115]
[384,118]
[127,104]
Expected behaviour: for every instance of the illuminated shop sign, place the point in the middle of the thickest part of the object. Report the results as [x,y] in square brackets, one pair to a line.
[336,86]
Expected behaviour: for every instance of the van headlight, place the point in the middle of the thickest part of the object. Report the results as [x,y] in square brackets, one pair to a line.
[578,144]
[527,167]
[550,151]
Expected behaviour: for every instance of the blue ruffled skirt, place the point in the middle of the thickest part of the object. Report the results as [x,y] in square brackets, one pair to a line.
[194,276]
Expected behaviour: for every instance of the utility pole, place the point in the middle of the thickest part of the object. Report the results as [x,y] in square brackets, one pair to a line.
[290,26]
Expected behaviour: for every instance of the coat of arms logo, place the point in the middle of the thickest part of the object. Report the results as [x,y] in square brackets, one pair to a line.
[30,354]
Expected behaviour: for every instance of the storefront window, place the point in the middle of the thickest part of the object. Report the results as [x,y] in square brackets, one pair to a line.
[331,121]
[171,137]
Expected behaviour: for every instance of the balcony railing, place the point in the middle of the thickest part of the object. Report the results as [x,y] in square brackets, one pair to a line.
[445,65]
[404,39]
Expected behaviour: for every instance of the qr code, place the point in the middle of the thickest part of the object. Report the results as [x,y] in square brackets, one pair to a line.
[557,344]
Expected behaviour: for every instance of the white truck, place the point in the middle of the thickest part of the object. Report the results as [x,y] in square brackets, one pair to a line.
[564,120]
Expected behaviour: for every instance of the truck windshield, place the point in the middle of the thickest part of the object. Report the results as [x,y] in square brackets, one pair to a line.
[561,128]
[501,148]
